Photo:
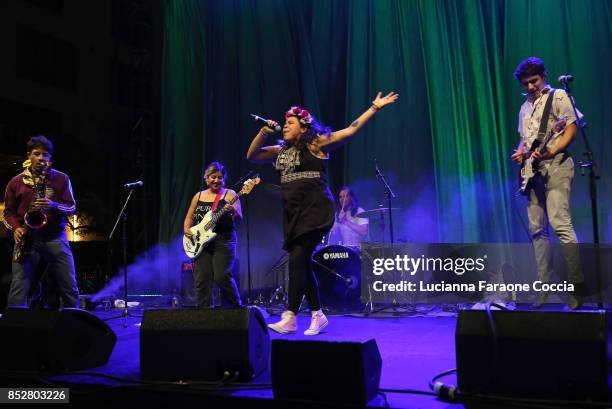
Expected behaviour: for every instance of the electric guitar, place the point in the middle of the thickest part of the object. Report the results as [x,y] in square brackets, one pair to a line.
[202,233]
[529,166]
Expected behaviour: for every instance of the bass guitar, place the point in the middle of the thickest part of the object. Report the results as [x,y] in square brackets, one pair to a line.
[202,233]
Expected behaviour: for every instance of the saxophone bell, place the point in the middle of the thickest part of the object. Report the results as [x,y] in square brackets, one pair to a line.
[35,219]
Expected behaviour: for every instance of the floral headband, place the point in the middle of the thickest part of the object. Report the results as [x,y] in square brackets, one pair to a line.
[303,116]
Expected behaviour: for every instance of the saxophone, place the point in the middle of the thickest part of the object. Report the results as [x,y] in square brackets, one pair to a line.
[34,218]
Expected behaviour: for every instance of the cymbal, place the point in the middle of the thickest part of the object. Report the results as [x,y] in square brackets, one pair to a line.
[376,212]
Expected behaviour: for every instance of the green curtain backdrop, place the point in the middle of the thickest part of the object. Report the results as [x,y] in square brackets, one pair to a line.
[445,146]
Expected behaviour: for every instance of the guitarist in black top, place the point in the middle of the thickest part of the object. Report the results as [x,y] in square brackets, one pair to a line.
[216,262]
[549,189]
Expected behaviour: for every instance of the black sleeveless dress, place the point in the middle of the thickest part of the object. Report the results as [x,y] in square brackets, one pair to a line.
[225,225]
[308,205]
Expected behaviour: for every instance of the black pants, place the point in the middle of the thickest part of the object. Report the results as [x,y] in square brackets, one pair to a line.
[60,269]
[216,264]
[302,280]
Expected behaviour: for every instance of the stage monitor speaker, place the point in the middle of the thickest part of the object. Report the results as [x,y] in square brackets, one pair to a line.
[326,371]
[69,339]
[203,344]
[533,354]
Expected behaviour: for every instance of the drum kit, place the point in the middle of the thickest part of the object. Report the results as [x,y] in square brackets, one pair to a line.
[338,271]
[378,212]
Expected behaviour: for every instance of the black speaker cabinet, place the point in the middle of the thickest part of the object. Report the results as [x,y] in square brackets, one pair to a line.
[533,354]
[325,371]
[203,344]
[70,339]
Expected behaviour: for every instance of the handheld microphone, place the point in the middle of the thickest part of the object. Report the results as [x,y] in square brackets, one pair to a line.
[264,121]
[566,79]
[132,185]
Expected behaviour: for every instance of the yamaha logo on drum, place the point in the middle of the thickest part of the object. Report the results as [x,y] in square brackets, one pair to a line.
[333,256]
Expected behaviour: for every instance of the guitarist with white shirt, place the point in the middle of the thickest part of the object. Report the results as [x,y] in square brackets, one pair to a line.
[544,112]
[216,261]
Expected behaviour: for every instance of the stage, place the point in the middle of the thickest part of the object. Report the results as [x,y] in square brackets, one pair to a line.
[414,345]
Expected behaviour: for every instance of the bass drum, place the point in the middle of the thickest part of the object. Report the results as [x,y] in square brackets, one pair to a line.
[338,271]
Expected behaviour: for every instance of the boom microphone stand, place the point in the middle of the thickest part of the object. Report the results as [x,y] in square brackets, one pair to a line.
[123,216]
[389,194]
[248,231]
[591,165]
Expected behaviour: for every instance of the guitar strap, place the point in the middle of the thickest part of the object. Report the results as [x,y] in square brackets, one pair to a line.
[216,202]
[544,121]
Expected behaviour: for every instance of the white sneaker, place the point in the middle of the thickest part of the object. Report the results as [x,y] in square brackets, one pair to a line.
[287,324]
[317,323]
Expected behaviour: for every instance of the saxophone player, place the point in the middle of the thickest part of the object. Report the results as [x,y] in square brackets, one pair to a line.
[37,203]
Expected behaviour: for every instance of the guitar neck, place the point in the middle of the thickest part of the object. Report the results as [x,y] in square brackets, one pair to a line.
[551,135]
[216,216]
[547,139]
[246,189]
[235,198]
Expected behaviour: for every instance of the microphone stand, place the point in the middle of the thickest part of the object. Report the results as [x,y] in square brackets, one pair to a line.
[248,231]
[591,165]
[389,194]
[348,281]
[238,184]
[248,250]
[123,216]
[279,292]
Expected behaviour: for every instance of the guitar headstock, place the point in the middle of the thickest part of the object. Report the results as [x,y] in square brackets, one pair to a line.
[249,184]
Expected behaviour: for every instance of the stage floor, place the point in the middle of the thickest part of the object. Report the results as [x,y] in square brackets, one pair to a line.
[414,348]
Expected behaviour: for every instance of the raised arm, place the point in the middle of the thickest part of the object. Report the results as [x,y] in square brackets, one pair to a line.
[328,143]
[258,153]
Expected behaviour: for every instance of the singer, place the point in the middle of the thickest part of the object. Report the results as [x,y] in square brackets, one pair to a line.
[216,262]
[37,203]
[308,206]
[549,193]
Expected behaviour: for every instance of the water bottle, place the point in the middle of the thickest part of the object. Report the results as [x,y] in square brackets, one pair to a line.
[176,303]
